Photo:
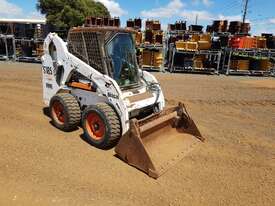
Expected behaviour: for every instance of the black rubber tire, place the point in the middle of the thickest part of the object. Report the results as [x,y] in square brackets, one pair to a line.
[112,126]
[72,113]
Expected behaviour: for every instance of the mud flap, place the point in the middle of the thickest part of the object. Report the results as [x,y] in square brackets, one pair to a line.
[158,142]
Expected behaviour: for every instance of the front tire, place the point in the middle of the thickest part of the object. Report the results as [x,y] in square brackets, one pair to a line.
[101,126]
[65,111]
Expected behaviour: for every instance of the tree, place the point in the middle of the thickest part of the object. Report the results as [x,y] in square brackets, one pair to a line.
[65,14]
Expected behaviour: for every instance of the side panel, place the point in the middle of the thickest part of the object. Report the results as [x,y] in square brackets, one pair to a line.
[53,60]
[86,98]
[50,86]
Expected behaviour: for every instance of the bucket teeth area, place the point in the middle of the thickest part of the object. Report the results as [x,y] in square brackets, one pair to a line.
[156,143]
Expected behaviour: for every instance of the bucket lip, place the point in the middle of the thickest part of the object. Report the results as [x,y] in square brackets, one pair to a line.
[134,150]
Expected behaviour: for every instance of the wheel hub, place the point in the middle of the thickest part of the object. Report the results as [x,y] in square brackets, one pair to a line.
[95,126]
[58,112]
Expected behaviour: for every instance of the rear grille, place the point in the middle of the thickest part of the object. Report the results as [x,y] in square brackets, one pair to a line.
[85,46]
[142,113]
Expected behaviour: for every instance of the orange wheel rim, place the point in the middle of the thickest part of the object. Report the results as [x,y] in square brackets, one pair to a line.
[95,126]
[58,112]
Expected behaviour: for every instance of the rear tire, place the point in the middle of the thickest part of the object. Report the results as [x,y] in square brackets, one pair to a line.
[101,126]
[65,111]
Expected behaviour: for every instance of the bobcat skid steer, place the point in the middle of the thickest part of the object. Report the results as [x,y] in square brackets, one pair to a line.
[94,80]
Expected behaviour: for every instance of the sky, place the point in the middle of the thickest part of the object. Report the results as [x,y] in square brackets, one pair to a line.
[260,13]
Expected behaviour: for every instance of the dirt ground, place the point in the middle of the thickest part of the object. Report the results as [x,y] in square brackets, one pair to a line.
[40,165]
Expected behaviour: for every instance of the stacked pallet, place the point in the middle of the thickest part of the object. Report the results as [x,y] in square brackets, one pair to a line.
[237,27]
[245,28]
[178,26]
[220,41]
[98,21]
[197,42]
[259,64]
[198,61]
[270,40]
[153,32]
[130,23]
[138,38]
[195,28]
[136,24]
[153,25]
[246,42]
[265,64]
[39,50]
[252,64]
[183,60]
[152,58]
[261,43]
[240,64]
[218,26]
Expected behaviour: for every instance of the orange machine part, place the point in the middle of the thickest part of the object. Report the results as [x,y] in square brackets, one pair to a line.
[95,126]
[81,85]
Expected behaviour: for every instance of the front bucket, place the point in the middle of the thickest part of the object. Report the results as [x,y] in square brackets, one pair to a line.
[156,143]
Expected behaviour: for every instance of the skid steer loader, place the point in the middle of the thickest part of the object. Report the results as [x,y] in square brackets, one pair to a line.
[94,79]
